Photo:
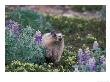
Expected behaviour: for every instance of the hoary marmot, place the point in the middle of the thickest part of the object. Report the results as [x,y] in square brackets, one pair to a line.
[54,44]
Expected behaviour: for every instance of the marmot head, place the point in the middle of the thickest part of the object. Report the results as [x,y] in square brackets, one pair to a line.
[57,36]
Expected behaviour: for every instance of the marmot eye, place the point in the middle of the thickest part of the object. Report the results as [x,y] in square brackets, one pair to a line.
[53,34]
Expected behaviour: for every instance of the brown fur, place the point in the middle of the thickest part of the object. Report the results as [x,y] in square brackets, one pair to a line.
[54,47]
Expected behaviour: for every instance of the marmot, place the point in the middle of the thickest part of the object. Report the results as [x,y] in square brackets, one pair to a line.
[54,44]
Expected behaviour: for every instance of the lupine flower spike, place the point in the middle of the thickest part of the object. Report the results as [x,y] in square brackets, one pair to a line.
[95,45]
[38,37]
[91,64]
[13,26]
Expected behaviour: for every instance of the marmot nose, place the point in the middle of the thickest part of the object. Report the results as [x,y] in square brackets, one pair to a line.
[60,39]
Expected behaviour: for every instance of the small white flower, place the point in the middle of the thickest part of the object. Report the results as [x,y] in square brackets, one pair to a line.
[80,51]
[95,45]
[87,50]
[76,70]
[38,33]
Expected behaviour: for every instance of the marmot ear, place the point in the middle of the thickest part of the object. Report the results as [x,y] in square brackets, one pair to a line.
[53,33]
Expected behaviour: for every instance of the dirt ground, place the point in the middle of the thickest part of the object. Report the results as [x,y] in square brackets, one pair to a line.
[62,11]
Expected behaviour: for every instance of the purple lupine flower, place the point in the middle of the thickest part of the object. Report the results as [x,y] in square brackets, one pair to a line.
[80,56]
[102,59]
[87,54]
[38,37]
[9,23]
[103,64]
[95,45]
[91,64]
[13,26]
[83,56]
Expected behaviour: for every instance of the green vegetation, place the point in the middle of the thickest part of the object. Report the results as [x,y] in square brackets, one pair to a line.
[22,54]
[83,8]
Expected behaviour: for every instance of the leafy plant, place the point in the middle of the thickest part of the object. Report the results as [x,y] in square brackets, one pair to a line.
[26,17]
[25,52]
[23,48]
[76,28]
[67,60]
[103,13]
[90,60]
[83,8]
